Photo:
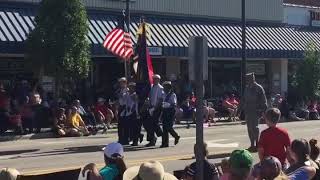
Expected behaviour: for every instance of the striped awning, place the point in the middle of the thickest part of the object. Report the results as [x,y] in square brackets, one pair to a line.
[224,40]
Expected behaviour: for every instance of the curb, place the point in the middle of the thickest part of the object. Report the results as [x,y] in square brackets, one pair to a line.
[49,135]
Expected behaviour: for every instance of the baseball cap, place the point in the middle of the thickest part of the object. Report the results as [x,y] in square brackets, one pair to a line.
[270,168]
[113,149]
[240,159]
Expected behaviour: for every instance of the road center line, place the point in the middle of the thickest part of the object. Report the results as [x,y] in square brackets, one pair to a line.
[129,163]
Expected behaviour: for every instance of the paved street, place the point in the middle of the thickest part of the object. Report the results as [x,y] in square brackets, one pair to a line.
[46,155]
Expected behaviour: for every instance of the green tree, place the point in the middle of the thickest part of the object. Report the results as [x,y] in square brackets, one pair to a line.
[58,46]
[308,74]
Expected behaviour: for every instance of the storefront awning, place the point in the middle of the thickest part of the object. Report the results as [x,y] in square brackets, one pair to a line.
[171,35]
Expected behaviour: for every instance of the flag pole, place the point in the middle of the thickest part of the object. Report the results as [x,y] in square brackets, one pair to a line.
[127,22]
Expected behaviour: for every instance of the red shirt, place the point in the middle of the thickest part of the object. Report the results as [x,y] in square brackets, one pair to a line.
[103,109]
[233,101]
[4,100]
[274,141]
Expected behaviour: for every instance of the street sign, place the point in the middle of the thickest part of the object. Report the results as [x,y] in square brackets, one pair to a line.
[198,57]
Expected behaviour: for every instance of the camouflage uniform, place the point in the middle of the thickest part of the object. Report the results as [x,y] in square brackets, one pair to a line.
[255,103]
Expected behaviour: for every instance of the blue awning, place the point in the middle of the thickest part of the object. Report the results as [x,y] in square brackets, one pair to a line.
[171,34]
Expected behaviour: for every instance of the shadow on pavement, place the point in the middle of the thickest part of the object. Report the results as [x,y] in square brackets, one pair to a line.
[138,148]
[15,152]
[43,135]
[213,156]
[71,150]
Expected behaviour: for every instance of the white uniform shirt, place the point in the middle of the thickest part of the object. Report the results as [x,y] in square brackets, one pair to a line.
[122,96]
[169,102]
[156,95]
[131,104]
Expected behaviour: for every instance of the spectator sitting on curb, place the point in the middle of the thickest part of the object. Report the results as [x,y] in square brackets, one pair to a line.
[77,124]
[9,174]
[314,151]
[115,165]
[59,123]
[106,115]
[149,170]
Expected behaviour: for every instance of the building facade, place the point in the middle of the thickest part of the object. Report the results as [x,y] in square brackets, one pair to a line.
[271,44]
[260,10]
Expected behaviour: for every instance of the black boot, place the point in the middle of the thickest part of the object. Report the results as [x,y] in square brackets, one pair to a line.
[141,138]
[176,140]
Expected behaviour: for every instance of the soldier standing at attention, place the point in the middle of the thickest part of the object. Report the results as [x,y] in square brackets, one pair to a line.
[168,115]
[255,104]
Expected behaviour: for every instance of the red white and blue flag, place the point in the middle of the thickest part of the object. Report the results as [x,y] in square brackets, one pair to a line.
[119,43]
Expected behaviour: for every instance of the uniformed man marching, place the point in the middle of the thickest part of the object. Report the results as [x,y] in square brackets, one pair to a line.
[121,94]
[132,123]
[254,105]
[152,123]
[168,114]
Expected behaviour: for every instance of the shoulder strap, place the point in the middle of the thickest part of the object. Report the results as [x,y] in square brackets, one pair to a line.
[168,96]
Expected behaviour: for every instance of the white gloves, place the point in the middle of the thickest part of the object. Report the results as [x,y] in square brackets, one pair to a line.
[166,105]
[151,110]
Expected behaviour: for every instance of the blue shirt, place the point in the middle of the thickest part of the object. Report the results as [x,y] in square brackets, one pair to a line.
[299,174]
[109,172]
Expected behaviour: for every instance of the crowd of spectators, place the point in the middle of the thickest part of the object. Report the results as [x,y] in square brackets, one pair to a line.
[29,111]
[278,160]
[302,159]
[296,109]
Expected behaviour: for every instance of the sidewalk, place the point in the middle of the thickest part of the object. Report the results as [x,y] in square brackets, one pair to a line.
[45,134]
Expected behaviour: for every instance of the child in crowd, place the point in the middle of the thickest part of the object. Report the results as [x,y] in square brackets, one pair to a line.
[114,164]
[314,151]
[267,145]
[59,123]
[225,167]
[271,169]
[76,124]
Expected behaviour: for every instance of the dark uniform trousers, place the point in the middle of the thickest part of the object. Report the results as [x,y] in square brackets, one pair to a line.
[133,128]
[121,122]
[168,120]
[152,125]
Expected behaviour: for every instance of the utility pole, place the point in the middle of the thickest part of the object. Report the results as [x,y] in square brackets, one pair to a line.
[198,72]
[243,51]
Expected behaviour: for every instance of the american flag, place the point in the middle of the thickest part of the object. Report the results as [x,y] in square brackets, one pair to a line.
[119,43]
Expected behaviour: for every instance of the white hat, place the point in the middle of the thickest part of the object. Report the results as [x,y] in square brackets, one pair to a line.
[123,79]
[113,148]
[148,170]
[167,83]
[156,76]
[100,99]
